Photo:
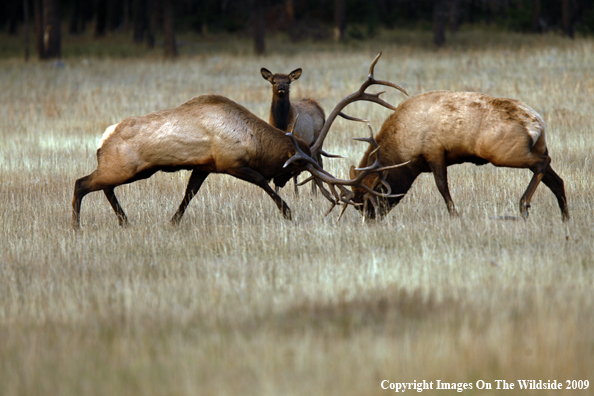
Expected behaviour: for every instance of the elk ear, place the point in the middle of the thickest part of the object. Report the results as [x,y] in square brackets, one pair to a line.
[353,172]
[266,74]
[295,74]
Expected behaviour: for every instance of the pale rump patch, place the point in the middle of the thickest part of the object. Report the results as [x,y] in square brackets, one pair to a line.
[536,124]
[534,131]
[106,134]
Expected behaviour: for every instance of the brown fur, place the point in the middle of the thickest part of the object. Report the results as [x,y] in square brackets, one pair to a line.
[283,113]
[208,134]
[434,130]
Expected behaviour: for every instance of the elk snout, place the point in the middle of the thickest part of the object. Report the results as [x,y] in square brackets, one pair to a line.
[282,90]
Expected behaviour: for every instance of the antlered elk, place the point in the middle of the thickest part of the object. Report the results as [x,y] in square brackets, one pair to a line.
[434,130]
[208,134]
[305,117]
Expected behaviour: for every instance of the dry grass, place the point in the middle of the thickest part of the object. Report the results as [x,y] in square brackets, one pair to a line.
[239,301]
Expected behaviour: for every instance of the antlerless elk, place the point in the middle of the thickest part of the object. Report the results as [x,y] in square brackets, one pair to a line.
[305,117]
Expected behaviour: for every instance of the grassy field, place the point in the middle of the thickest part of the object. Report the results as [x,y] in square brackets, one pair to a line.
[237,300]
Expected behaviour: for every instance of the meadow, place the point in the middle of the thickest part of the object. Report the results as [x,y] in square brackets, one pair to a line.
[237,300]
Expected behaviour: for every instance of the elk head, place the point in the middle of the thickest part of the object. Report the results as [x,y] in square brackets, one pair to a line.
[281,83]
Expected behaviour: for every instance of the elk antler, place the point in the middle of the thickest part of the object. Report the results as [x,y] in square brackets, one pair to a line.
[345,196]
[356,96]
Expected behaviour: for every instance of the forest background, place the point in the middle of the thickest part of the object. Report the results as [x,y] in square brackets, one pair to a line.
[37,21]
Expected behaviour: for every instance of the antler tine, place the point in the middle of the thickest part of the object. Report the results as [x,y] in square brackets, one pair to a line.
[360,94]
[347,117]
[299,154]
[325,154]
[304,182]
[350,118]
[381,82]
[369,198]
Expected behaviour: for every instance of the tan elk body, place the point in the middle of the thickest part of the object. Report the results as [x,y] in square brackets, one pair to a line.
[208,134]
[437,129]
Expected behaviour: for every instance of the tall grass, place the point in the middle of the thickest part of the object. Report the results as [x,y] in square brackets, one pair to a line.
[236,300]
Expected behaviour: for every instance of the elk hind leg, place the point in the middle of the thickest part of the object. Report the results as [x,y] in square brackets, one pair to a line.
[250,175]
[100,180]
[113,201]
[539,171]
[196,179]
[82,187]
[554,182]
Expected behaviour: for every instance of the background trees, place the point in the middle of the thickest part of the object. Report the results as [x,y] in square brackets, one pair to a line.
[301,19]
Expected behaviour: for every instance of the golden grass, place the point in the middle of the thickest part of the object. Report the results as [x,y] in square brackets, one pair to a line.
[237,300]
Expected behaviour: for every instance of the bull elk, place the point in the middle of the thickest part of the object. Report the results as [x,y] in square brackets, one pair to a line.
[305,117]
[208,134]
[434,130]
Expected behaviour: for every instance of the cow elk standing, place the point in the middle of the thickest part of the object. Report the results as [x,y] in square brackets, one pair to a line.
[208,134]
[306,117]
[434,130]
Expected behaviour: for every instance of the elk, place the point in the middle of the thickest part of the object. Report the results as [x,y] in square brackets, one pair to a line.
[431,131]
[306,117]
[208,134]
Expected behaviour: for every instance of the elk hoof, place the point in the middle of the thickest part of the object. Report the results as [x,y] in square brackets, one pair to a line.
[287,214]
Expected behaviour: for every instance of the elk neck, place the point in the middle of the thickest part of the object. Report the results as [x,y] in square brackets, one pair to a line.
[401,178]
[280,111]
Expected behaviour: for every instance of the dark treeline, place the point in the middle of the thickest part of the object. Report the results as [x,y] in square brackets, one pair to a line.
[300,19]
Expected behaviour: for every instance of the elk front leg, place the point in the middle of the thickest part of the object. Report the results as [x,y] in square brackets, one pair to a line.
[440,173]
[295,182]
[248,174]
[196,179]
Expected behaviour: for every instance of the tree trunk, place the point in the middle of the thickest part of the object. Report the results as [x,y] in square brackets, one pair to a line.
[454,17]
[47,23]
[260,27]
[126,17]
[13,10]
[290,12]
[101,21]
[139,20]
[339,19]
[26,27]
[75,18]
[290,17]
[169,31]
[566,18]
[536,27]
[153,16]
[439,17]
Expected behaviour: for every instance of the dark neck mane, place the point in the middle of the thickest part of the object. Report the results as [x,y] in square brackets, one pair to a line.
[400,179]
[280,110]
